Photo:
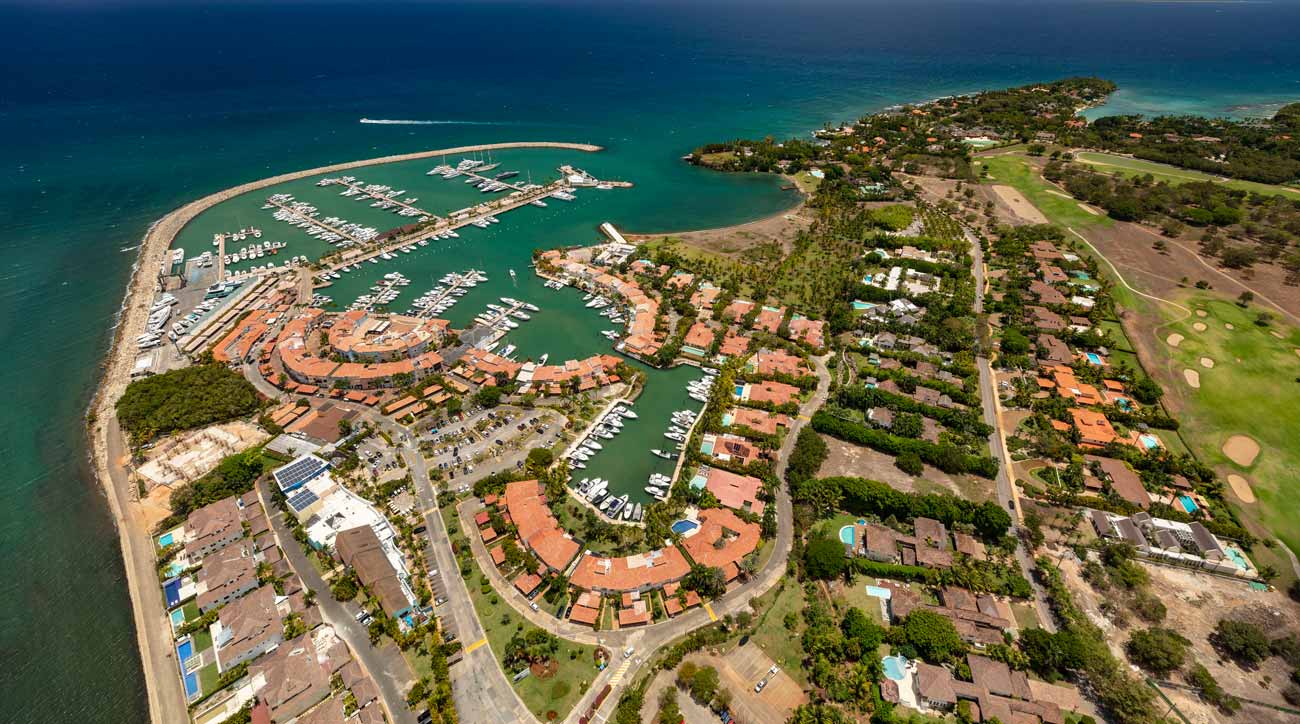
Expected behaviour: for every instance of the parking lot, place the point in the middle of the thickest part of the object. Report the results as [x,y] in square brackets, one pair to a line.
[488,437]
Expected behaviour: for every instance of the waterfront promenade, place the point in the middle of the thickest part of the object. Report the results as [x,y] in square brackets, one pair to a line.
[111,457]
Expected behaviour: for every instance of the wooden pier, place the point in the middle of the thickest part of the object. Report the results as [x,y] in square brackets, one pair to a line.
[361,191]
[315,221]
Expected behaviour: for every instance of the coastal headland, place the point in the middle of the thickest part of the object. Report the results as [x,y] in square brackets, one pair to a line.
[166,701]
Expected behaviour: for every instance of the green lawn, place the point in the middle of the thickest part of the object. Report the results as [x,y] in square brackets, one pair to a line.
[559,693]
[191,610]
[771,635]
[1251,390]
[202,640]
[208,677]
[1016,171]
[1126,166]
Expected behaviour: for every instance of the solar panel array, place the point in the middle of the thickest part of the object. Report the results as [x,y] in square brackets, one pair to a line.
[299,471]
[301,499]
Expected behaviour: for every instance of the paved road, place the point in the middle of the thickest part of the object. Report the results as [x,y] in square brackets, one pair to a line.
[385,665]
[1007,495]
[153,631]
[480,688]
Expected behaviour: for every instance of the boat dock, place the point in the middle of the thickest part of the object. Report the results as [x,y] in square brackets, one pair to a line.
[312,220]
[393,201]
[456,220]
[489,179]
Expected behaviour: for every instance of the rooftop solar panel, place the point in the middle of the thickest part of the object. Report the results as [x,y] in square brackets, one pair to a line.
[299,471]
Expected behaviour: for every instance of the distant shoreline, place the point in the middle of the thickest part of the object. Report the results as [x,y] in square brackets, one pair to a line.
[134,537]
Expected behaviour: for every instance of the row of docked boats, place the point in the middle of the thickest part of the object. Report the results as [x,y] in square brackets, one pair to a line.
[240,235]
[381,294]
[698,390]
[382,196]
[451,287]
[254,251]
[333,230]
[596,492]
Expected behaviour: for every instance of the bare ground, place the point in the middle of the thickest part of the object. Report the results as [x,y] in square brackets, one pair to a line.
[1195,604]
[1129,247]
[732,241]
[847,459]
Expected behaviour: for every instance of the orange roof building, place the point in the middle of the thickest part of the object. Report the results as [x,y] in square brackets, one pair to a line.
[722,539]
[1094,429]
[538,529]
[640,572]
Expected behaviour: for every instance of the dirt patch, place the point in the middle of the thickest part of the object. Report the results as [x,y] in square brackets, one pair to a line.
[733,241]
[1199,327]
[847,459]
[1019,204]
[1241,449]
[544,669]
[1130,247]
[1207,363]
[1174,339]
[1241,488]
[1195,603]
[1193,378]
[1228,325]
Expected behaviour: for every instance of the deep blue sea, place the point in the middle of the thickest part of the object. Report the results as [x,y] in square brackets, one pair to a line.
[111,114]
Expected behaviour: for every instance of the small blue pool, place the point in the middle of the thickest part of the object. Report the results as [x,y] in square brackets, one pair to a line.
[1094,358]
[861,306]
[727,418]
[172,592]
[1149,441]
[740,390]
[1080,275]
[1237,558]
[1123,404]
[878,592]
[706,447]
[846,535]
[682,527]
[165,539]
[895,667]
[175,569]
[1188,504]
[178,617]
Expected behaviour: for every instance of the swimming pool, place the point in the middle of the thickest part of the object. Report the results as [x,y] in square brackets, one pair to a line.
[895,667]
[1238,559]
[166,539]
[740,391]
[861,306]
[1149,441]
[698,482]
[1188,504]
[172,592]
[1095,358]
[1080,275]
[682,527]
[1123,404]
[177,617]
[878,592]
[727,418]
[846,535]
[706,447]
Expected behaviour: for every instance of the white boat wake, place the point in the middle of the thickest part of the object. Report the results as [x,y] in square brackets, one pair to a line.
[405,122]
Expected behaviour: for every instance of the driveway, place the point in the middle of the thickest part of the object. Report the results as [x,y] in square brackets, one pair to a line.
[384,664]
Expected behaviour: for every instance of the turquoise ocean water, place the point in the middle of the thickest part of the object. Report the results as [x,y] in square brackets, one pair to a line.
[111,115]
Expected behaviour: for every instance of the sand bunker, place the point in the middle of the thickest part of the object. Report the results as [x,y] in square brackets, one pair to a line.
[1090,210]
[1174,339]
[1207,363]
[1020,206]
[1062,194]
[1201,313]
[1228,325]
[1199,326]
[1276,333]
[1241,450]
[1193,378]
[1241,487]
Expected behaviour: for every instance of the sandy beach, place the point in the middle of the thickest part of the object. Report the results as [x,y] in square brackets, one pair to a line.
[166,699]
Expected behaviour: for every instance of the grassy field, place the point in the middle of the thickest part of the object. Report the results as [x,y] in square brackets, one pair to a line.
[559,693]
[1126,166]
[771,635]
[1251,390]
[1016,171]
